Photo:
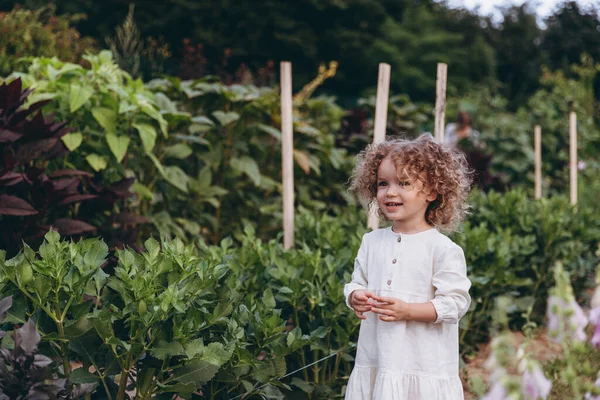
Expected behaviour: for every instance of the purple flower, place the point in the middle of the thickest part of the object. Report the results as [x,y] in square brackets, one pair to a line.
[595,319]
[589,396]
[574,325]
[534,384]
[581,165]
[497,392]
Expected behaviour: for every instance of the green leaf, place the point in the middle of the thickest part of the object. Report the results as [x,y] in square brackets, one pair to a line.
[303,385]
[226,118]
[80,327]
[217,354]
[247,165]
[152,113]
[320,332]
[178,388]
[147,134]
[79,95]
[269,300]
[179,150]
[107,118]
[202,120]
[194,347]
[164,350]
[176,177]
[98,163]
[276,133]
[72,140]
[118,145]
[80,375]
[197,372]
[142,191]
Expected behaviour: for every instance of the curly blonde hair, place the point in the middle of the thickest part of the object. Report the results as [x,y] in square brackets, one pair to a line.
[441,169]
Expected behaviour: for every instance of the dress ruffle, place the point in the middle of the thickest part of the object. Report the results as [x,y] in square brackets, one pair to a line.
[368,383]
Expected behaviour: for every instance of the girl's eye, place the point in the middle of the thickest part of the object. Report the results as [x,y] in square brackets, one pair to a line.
[405,183]
[382,184]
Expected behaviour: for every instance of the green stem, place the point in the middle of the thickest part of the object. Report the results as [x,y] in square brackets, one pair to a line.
[62,344]
[123,379]
[316,367]
[304,371]
[336,366]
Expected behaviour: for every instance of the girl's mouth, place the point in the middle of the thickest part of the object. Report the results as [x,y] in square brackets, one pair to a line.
[393,204]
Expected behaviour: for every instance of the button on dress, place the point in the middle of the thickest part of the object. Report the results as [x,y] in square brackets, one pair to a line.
[409,360]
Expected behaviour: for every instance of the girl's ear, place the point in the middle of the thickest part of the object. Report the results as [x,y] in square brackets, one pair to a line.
[432,196]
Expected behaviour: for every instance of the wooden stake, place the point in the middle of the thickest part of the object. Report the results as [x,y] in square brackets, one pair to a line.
[440,101]
[573,155]
[287,154]
[381,107]
[537,139]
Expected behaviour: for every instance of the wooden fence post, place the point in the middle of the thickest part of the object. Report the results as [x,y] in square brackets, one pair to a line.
[287,154]
[440,101]
[381,107]
[573,155]
[537,139]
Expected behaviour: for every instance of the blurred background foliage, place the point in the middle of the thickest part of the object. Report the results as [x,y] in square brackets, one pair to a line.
[243,40]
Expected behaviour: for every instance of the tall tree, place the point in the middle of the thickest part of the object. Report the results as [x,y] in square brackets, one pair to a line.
[571,31]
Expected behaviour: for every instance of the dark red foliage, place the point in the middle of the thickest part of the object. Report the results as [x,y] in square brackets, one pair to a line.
[31,199]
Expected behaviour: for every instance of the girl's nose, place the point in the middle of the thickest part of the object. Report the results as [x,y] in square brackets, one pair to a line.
[392,190]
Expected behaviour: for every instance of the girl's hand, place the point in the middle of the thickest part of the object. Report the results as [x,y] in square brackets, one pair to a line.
[359,300]
[390,309]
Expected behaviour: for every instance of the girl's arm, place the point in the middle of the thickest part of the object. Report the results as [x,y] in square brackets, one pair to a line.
[359,276]
[451,284]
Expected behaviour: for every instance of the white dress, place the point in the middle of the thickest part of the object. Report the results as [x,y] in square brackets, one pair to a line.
[408,360]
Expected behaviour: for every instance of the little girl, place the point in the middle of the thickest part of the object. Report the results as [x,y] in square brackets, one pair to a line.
[409,285]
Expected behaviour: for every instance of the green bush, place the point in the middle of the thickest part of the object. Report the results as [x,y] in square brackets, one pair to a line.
[164,316]
[511,243]
[39,33]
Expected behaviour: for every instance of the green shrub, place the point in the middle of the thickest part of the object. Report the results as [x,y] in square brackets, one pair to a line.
[511,243]
[39,33]
[165,316]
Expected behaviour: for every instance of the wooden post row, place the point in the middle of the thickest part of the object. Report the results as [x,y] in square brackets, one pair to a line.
[381,107]
[440,101]
[537,140]
[287,154]
[573,155]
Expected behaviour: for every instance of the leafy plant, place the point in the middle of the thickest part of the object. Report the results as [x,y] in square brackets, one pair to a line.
[511,242]
[39,33]
[24,374]
[140,57]
[32,198]
[163,323]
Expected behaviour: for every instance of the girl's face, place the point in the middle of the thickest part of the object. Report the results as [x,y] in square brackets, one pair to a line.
[401,199]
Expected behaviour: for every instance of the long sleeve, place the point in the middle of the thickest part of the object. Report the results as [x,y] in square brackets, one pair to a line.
[359,276]
[451,284]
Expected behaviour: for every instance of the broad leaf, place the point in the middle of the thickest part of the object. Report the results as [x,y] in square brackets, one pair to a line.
[179,150]
[164,350]
[79,95]
[118,145]
[147,134]
[98,163]
[107,118]
[197,372]
[12,205]
[72,140]
[68,227]
[28,337]
[302,160]
[226,118]
[248,166]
